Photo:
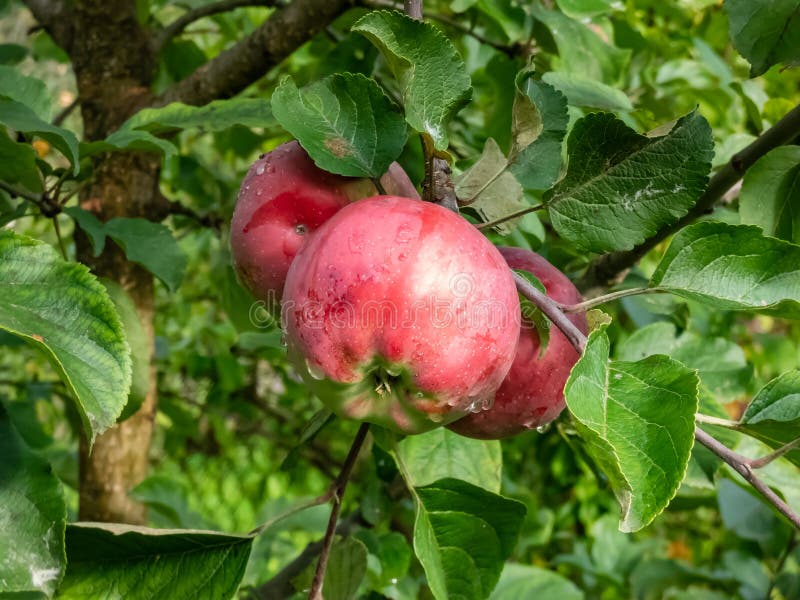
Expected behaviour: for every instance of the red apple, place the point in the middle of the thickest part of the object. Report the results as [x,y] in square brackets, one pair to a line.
[532,394]
[283,198]
[399,312]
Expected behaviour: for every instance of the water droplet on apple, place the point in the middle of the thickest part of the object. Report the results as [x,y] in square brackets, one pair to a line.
[404,234]
[260,169]
[315,372]
[543,428]
[270,168]
[259,192]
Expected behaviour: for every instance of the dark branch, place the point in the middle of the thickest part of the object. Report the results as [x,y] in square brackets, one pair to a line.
[605,269]
[339,487]
[552,311]
[236,68]
[52,15]
[178,25]
[280,586]
[742,465]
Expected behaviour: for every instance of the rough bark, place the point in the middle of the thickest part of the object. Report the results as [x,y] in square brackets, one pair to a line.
[113,57]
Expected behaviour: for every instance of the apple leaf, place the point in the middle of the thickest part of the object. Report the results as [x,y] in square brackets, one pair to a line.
[22,118]
[524,581]
[442,454]
[581,51]
[105,560]
[137,341]
[32,519]
[347,566]
[61,308]
[773,416]
[622,187]
[588,93]
[765,32]
[536,155]
[490,189]
[732,267]
[720,363]
[150,245]
[91,225]
[18,163]
[214,116]
[29,91]
[433,78]
[581,9]
[770,196]
[345,122]
[637,419]
[462,536]
[128,139]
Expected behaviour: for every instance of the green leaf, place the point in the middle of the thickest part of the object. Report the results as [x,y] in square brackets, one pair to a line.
[91,225]
[523,581]
[20,117]
[588,93]
[127,139]
[32,519]
[29,91]
[622,187]
[442,454]
[347,566]
[773,416]
[732,267]
[12,54]
[765,32]
[18,163]
[508,15]
[581,9]
[433,78]
[637,419]
[744,514]
[463,536]
[137,341]
[110,560]
[581,51]
[152,246]
[214,116]
[345,122]
[60,308]
[489,188]
[536,154]
[720,362]
[770,196]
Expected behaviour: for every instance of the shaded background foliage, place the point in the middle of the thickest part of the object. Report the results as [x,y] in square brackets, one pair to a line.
[224,455]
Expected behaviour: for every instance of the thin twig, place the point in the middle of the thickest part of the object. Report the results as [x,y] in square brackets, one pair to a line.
[18,193]
[66,111]
[379,186]
[511,216]
[599,300]
[709,420]
[741,465]
[413,8]
[57,228]
[338,489]
[757,463]
[551,311]
[178,25]
[606,268]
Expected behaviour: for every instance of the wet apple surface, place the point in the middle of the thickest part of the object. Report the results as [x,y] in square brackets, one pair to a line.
[399,312]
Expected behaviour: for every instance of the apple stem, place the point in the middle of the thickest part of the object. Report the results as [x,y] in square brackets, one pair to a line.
[379,186]
[336,492]
[744,466]
[552,311]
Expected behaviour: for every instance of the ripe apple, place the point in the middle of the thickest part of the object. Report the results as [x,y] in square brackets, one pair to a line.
[283,198]
[532,394]
[399,312]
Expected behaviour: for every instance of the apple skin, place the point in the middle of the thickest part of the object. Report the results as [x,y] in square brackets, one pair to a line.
[532,394]
[399,312]
[283,198]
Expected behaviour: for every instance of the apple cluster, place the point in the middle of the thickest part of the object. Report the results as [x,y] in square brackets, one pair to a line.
[396,311]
